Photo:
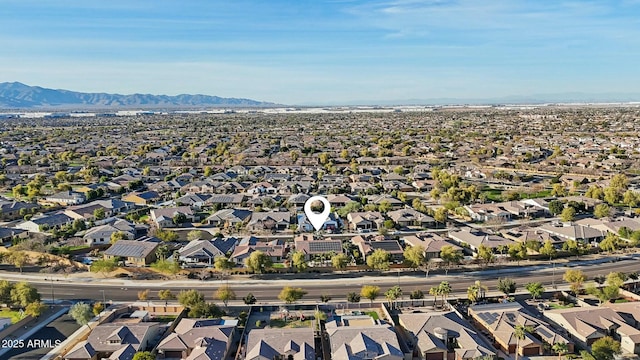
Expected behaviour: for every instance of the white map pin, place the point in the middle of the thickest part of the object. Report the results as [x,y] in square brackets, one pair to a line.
[317,220]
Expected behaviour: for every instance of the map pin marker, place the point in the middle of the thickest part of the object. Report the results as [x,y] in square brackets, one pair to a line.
[317,220]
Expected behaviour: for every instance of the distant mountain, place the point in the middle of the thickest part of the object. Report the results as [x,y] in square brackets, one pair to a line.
[15,95]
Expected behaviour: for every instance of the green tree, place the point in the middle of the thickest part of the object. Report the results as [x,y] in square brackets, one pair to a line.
[190,298]
[476,292]
[485,253]
[98,307]
[444,289]
[435,291]
[370,292]
[19,259]
[103,266]
[605,348]
[340,261]
[258,261]
[416,295]
[575,278]
[291,295]
[414,256]
[223,264]
[143,295]
[81,313]
[35,309]
[384,206]
[450,255]
[560,348]
[574,247]
[99,214]
[249,299]
[394,293]
[440,216]
[194,235]
[299,261]
[379,260]
[143,355]
[5,291]
[548,249]
[166,267]
[166,294]
[22,294]
[353,297]
[610,243]
[536,289]
[556,207]
[558,190]
[506,286]
[601,211]
[115,236]
[517,251]
[166,235]
[568,214]
[225,294]
[162,251]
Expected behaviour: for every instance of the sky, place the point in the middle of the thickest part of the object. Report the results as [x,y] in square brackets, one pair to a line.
[324,51]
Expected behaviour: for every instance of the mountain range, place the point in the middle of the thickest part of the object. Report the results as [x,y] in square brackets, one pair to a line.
[15,95]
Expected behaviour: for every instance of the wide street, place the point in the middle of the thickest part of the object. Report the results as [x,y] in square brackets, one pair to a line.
[336,285]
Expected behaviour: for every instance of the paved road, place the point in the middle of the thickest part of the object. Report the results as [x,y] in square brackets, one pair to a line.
[44,340]
[337,288]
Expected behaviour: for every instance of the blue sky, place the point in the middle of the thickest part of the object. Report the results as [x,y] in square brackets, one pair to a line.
[331,51]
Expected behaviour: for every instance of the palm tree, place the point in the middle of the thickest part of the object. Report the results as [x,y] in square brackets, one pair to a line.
[444,289]
[435,291]
[520,332]
[560,348]
[476,292]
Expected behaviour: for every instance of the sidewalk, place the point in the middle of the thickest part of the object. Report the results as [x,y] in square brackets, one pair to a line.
[24,333]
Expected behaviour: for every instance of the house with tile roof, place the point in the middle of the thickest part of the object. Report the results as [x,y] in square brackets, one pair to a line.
[198,339]
[364,342]
[116,341]
[281,343]
[141,252]
[501,319]
[436,335]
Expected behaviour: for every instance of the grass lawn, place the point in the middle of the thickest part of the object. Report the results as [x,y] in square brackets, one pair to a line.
[14,315]
[373,314]
[554,305]
[493,194]
[278,266]
[539,194]
[618,301]
[164,318]
[280,323]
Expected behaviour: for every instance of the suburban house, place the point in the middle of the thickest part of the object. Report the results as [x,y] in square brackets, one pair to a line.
[228,218]
[206,339]
[586,325]
[164,217]
[283,343]
[436,335]
[44,223]
[431,242]
[368,220]
[100,235]
[364,342]
[142,198]
[66,198]
[367,245]
[274,249]
[410,217]
[575,232]
[8,234]
[205,251]
[193,200]
[273,220]
[526,234]
[331,224]
[476,238]
[312,247]
[115,338]
[13,210]
[141,252]
[225,201]
[501,319]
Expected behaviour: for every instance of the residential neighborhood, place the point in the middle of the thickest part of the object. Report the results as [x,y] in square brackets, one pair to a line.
[208,198]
